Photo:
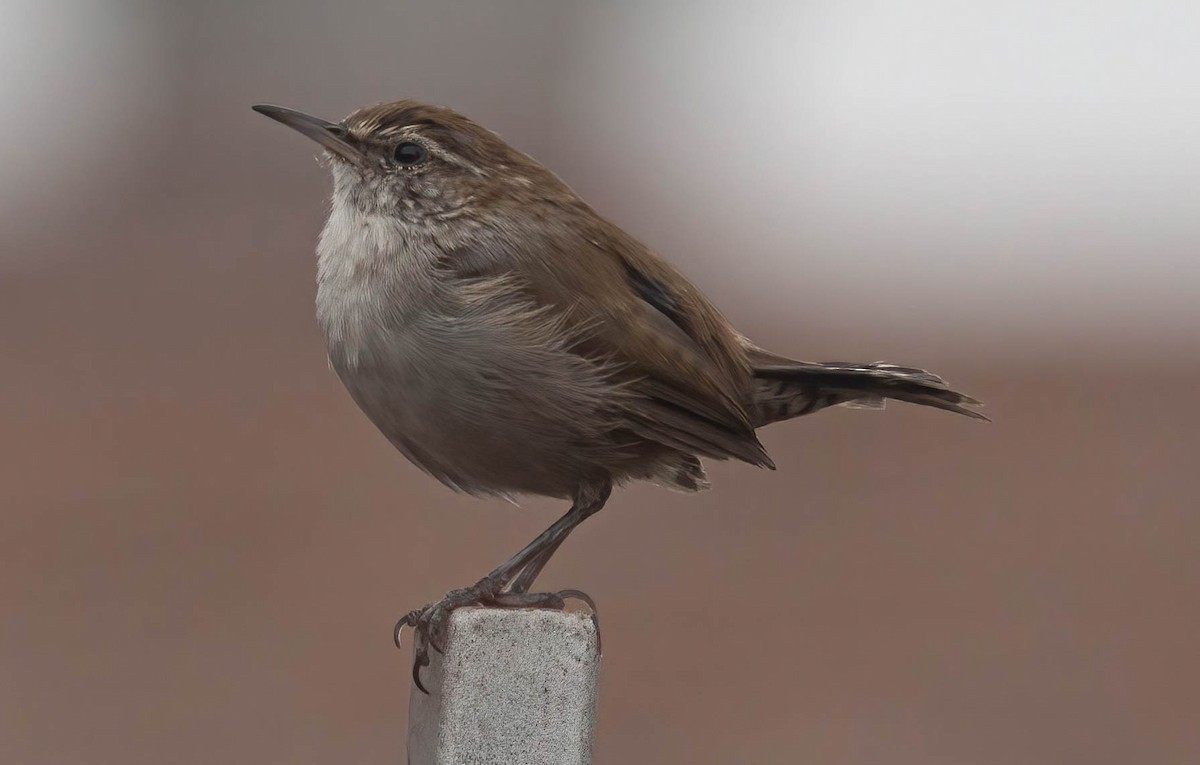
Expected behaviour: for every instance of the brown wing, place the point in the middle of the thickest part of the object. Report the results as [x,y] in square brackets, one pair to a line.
[685,373]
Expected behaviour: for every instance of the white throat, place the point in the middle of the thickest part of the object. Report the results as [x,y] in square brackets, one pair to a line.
[371,271]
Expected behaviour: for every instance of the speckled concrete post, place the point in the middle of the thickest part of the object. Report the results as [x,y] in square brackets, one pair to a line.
[515,687]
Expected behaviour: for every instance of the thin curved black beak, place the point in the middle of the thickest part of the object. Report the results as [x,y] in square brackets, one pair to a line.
[331,135]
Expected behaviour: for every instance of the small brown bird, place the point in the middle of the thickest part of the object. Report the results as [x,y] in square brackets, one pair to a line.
[508,339]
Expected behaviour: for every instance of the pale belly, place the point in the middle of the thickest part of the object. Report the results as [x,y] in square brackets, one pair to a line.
[483,405]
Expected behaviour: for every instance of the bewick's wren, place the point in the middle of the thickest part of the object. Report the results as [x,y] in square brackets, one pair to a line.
[508,340]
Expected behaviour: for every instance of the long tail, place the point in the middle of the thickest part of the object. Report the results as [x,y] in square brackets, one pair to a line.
[787,388]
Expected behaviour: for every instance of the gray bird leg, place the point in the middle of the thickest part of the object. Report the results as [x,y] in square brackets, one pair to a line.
[429,623]
[525,579]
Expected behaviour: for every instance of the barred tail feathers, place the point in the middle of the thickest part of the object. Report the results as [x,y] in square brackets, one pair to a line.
[785,389]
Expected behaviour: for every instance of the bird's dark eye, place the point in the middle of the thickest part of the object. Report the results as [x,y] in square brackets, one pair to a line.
[409,153]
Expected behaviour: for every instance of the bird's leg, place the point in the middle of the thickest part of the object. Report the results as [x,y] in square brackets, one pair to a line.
[429,623]
[525,579]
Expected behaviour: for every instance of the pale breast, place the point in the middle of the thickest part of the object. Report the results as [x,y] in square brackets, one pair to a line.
[371,273]
[467,379]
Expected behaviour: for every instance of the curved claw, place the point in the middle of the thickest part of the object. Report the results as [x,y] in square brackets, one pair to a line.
[421,660]
[408,620]
[580,595]
[430,623]
[420,645]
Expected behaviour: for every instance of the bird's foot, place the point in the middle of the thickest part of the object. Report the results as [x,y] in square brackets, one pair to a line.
[431,622]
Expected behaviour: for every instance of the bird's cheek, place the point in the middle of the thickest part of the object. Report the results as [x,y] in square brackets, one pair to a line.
[426,190]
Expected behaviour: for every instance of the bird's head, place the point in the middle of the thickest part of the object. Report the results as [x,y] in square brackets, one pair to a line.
[418,163]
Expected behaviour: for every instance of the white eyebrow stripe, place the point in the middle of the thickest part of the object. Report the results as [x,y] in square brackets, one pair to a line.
[392,132]
[450,157]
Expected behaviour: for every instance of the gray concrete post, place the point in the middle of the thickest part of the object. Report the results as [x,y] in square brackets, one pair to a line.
[515,687]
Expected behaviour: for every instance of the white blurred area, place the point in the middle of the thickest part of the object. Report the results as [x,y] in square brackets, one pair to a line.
[81,80]
[1031,167]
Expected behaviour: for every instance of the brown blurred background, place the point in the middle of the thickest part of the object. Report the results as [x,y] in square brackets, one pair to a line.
[204,545]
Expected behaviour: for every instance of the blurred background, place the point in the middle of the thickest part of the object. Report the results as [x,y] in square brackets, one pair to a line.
[204,545]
